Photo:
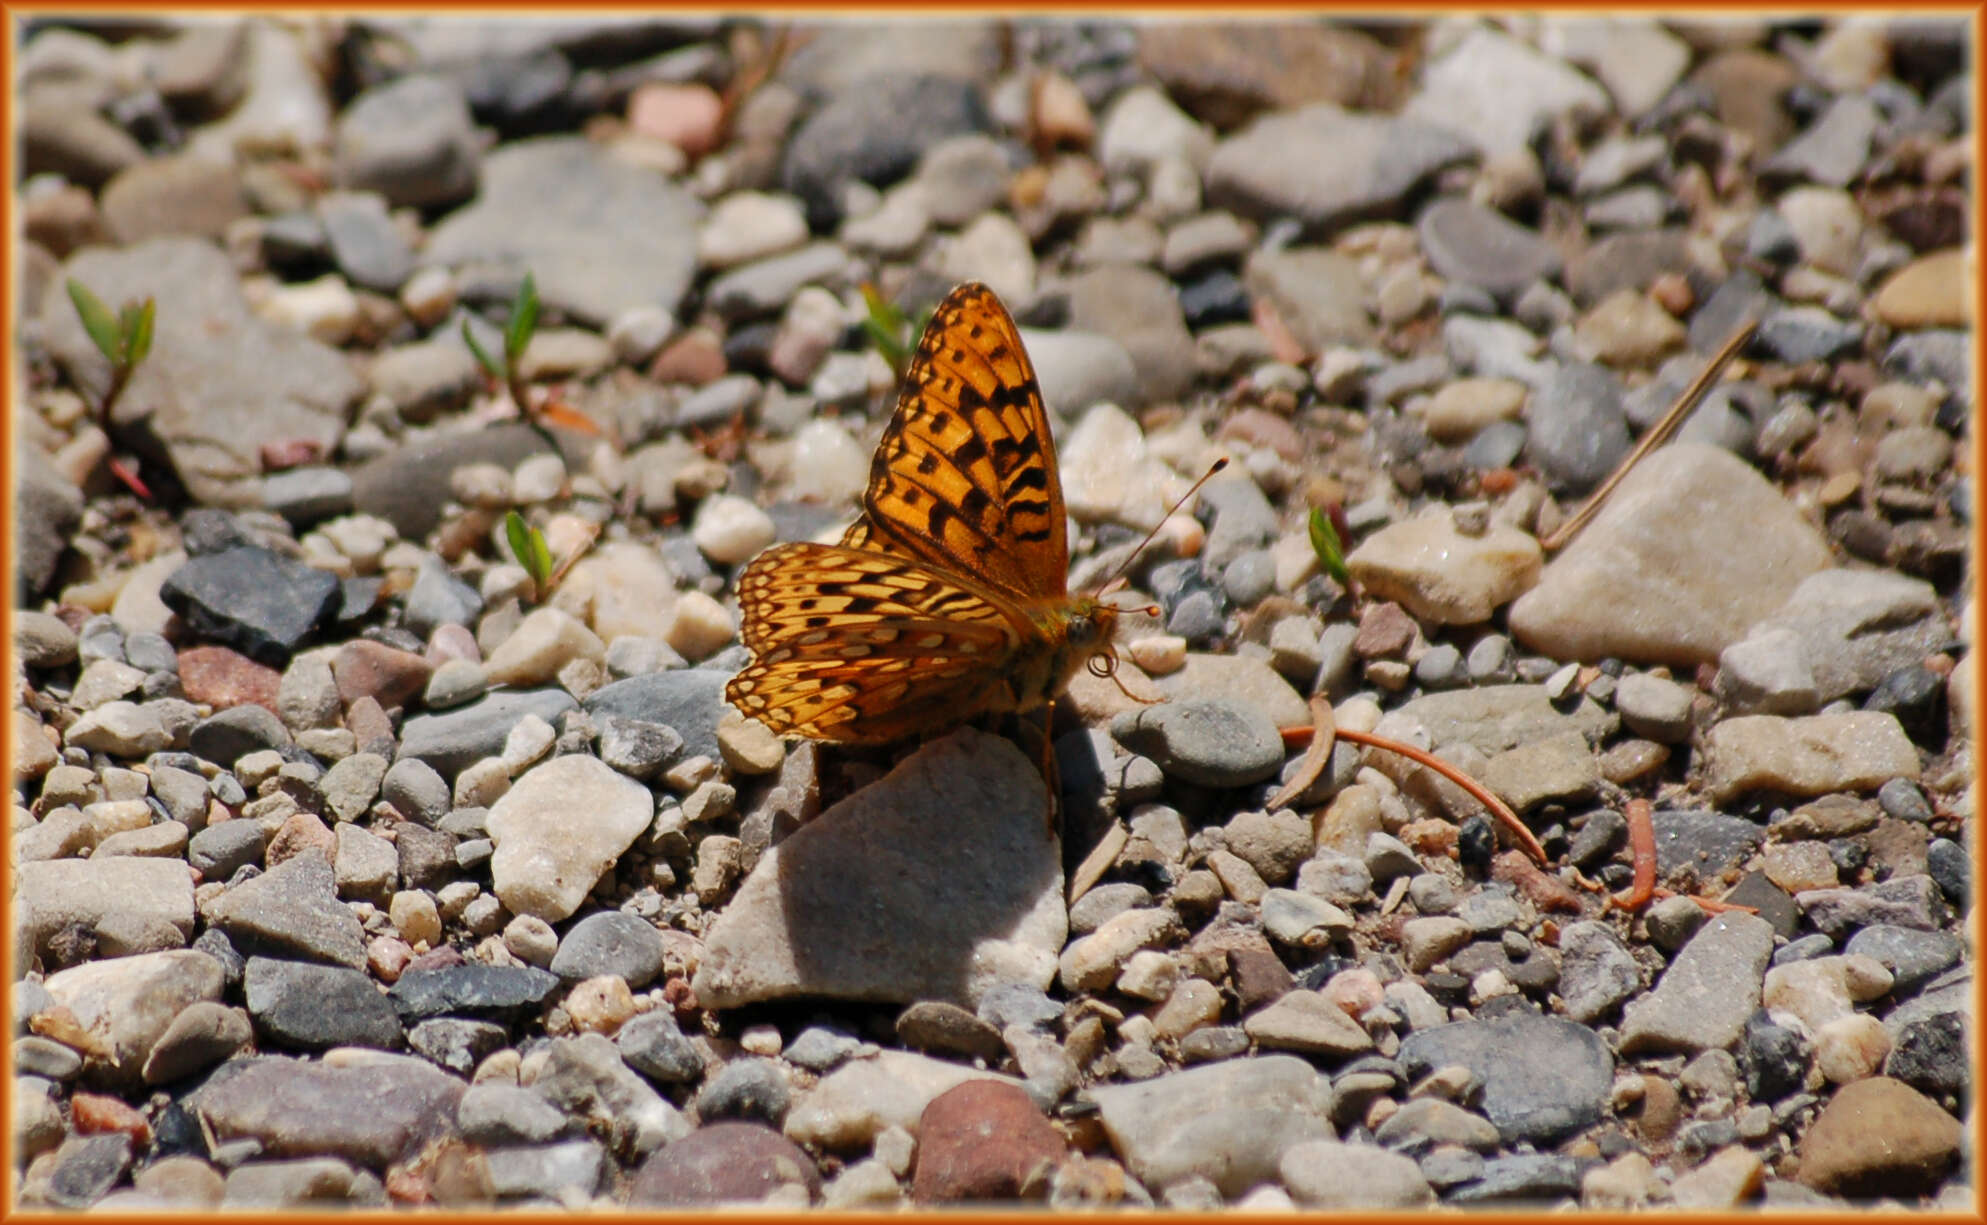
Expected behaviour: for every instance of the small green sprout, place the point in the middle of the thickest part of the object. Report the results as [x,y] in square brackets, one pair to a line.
[124,339]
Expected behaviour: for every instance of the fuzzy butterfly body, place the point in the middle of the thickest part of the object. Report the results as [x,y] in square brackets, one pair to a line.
[948,597]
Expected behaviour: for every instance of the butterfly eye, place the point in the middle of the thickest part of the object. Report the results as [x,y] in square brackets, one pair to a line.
[1082,629]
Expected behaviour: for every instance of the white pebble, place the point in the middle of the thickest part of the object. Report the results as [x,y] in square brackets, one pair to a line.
[730,529]
[829,466]
[429,295]
[482,485]
[525,743]
[326,309]
[415,917]
[482,783]
[702,626]
[538,478]
[1851,1048]
[1159,654]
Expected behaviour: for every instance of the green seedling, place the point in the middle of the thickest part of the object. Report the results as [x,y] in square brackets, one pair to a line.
[1328,542]
[889,329]
[539,414]
[528,546]
[124,339]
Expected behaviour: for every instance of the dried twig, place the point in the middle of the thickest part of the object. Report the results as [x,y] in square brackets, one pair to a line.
[1498,808]
[1658,434]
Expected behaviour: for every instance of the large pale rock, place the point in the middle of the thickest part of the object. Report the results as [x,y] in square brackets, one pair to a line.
[938,881]
[1229,1122]
[1691,550]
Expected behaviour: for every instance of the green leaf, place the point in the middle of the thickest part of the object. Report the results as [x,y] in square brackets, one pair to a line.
[524,320]
[138,338]
[1329,548]
[528,544]
[887,327]
[483,359]
[98,322]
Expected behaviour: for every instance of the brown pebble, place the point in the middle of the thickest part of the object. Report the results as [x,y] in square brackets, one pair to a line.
[1662,1110]
[1920,1141]
[300,833]
[222,678]
[1546,892]
[1385,630]
[94,1113]
[375,670]
[695,357]
[1259,977]
[984,1140]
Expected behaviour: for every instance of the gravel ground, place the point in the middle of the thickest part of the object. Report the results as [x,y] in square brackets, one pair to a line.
[350,871]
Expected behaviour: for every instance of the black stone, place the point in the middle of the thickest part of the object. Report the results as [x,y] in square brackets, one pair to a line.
[1770,900]
[490,993]
[258,602]
[1216,298]
[305,1006]
[1931,1055]
[1773,1058]
[1917,696]
[1947,863]
[1476,843]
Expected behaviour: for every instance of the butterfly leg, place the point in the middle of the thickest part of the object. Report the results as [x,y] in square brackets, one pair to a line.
[1051,769]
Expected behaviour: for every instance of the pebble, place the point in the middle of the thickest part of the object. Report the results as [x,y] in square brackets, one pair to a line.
[1442,575]
[1816,755]
[983,1140]
[1329,1175]
[724,1162]
[557,829]
[1212,742]
[1921,1141]
[1229,1122]
[1702,1000]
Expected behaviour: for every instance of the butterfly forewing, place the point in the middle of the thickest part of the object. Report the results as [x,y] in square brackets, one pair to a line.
[965,475]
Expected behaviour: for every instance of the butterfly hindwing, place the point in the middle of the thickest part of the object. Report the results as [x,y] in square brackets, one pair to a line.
[859,645]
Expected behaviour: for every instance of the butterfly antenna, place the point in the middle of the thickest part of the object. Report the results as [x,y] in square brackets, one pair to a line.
[1117,578]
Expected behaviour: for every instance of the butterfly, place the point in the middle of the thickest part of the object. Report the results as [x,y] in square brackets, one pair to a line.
[948,598]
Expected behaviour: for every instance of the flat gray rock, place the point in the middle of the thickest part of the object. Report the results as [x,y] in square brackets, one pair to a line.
[220,382]
[1711,986]
[1229,1122]
[292,910]
[371,1114]
[599,235]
